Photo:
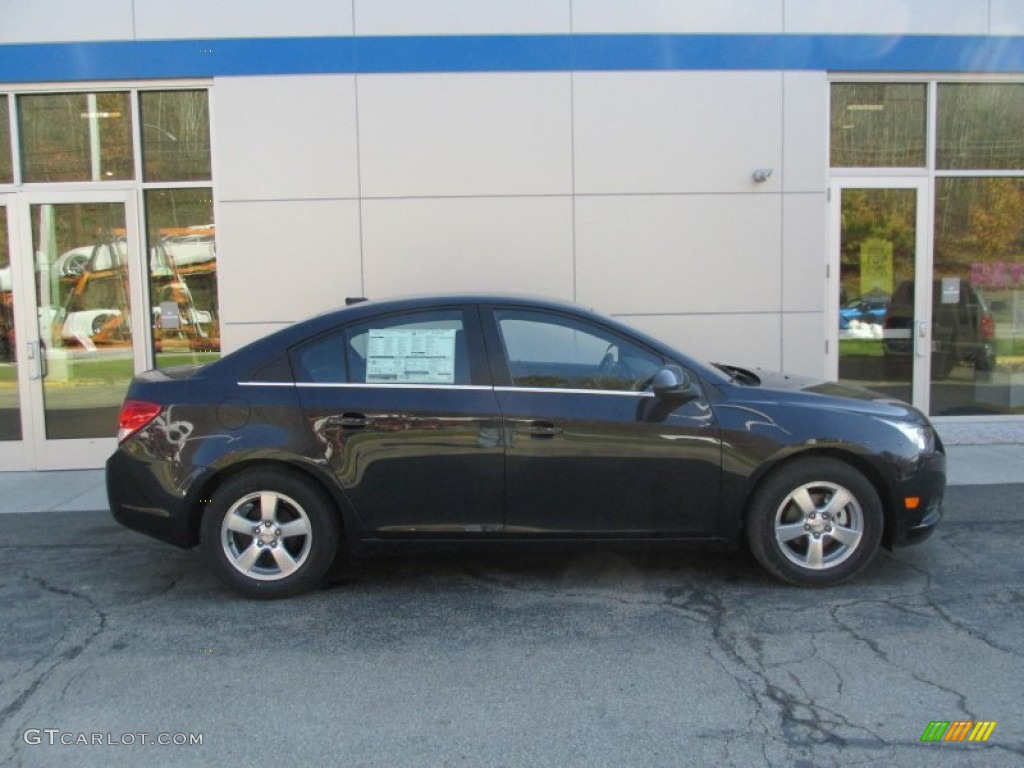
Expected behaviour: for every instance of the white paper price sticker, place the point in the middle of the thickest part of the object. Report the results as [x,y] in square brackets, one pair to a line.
[415,356]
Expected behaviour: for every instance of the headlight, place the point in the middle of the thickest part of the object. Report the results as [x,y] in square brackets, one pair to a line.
[921,436]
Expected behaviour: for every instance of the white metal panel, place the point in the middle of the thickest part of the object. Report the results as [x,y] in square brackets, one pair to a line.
[668,254]
[887,17]
[677,131]
[803,344]
[478,134]
[521,244]
[747,340]
[805,132]
[159,19]
[284,261]
[285,137]
[673,16]
[236,335]
[804,252]
[48,21]
[1007,17]
[461,17]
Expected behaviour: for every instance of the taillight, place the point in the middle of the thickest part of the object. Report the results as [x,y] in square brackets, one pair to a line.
[135,414]
[988,326]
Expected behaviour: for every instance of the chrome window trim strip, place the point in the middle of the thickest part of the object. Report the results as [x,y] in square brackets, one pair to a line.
[474,387]
[559,391]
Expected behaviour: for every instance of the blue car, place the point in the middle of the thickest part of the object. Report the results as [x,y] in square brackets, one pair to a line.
[865,310]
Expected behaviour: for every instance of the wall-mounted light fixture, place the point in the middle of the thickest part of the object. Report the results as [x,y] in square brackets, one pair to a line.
[760,175]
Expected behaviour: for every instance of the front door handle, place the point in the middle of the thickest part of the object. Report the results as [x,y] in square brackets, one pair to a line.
[541,430]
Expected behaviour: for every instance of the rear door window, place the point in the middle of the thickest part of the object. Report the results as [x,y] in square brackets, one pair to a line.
[428,347]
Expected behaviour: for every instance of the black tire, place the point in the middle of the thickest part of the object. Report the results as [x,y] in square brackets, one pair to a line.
[269,533]
[795,516]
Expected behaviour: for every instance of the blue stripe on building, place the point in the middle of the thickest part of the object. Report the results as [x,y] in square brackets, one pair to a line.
[147,59]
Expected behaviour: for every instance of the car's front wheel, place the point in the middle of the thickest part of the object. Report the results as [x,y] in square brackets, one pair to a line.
[815,522]
[269,534]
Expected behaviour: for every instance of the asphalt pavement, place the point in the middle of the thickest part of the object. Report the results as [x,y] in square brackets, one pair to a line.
[118,650]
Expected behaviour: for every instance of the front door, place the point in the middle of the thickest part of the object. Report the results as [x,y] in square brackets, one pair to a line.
[881,299]
[81,323]
[590,450]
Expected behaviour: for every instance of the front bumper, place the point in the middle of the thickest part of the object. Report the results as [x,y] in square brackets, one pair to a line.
[926,483]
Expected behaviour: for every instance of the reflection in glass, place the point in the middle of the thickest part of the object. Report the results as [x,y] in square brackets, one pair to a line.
[876,294]
[182,247]
[878,125]
[981,126]
[10,412]
[549,351]
[81,270]
[978,297]
[6,163]
[175,135]
[76,137]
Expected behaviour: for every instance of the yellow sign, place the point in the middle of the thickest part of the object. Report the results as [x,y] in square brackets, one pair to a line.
[876,267]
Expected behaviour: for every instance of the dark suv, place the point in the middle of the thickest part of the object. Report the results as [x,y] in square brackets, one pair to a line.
[963,332]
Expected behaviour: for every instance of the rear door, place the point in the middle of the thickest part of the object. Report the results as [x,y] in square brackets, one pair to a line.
[404,409]
[591,451]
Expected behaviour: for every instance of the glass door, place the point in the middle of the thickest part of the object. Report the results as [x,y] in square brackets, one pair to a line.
[880,298]
[84,320]
[12,428]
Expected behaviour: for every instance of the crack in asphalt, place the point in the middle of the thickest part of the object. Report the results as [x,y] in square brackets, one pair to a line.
[70,654]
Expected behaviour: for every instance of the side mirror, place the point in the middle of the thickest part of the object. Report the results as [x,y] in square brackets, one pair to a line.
[670,381]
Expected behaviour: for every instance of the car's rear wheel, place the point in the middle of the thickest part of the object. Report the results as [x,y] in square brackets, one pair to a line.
[269,533]
[815,522]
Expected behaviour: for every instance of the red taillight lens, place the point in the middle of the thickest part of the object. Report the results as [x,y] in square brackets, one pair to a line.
[988,326]
[135,414]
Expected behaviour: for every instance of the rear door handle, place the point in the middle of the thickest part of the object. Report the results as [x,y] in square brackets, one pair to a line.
[353,421]
[541,429]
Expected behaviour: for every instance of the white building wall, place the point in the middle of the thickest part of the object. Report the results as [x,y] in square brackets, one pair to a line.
[83,20]
[628,191]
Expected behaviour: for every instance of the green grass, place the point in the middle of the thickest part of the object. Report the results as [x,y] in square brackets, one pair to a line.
[106,369]
[860,348]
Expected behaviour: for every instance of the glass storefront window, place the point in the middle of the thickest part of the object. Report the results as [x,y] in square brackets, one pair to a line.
[878,125]
[175,135]
[84,308]
[182,247]
[76,137]
[980,126]
[10,411]
[6,165]
[978,297]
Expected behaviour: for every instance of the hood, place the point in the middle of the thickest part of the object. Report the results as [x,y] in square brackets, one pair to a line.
[801,390]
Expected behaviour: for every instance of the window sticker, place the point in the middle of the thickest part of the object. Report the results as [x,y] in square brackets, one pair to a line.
[419,356]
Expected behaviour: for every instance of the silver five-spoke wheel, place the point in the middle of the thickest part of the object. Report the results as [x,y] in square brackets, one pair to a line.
[270,532]
[266,535]
[819,525]
[814,521]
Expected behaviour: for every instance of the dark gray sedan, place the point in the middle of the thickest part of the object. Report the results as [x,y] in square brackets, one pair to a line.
[498,421]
